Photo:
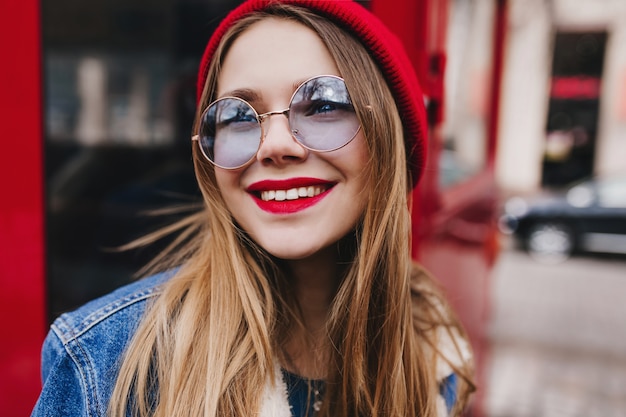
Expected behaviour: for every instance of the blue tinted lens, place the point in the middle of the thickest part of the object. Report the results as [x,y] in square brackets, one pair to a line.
[230,133]
[321,114]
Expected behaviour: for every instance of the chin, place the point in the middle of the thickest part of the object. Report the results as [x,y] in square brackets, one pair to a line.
[291,254]
[292,249]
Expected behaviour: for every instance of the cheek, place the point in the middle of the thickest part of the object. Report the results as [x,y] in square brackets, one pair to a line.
[359,151]
[227,183]
[354,160]
[221,180]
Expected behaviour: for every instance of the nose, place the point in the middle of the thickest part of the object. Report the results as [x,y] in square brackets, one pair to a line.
[278,146]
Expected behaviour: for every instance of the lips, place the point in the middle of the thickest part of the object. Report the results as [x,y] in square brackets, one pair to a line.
[289,196]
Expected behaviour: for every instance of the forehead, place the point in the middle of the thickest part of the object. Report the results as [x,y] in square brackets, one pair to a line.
[273,55]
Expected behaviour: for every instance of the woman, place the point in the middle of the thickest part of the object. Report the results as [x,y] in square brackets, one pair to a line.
[296,294]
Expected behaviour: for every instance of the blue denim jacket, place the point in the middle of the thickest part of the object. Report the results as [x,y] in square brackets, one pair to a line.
[81,354]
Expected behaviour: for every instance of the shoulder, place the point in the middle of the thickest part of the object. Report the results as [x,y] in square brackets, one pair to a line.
[123,306]
[434,318]
[442,333]
[83,349]
[429,305]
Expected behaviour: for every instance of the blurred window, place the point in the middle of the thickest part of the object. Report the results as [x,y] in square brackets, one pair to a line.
[577,53]
[119,105]
[573,107]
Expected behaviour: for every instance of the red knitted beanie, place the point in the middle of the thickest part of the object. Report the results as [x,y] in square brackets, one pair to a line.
[384,47]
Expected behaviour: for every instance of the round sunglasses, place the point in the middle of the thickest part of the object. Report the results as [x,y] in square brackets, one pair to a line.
[320,113]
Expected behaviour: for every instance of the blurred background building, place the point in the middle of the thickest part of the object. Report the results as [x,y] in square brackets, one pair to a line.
[563,103]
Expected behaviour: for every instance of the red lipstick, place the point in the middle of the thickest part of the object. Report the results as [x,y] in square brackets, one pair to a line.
[289,196]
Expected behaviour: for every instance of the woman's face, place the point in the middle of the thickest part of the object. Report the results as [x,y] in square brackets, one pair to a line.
[266,64]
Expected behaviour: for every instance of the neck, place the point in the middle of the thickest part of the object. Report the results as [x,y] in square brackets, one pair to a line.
[314,281]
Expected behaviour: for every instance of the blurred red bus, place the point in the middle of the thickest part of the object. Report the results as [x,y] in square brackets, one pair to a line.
[97,104]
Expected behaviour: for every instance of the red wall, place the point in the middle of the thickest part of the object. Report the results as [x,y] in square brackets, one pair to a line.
[22,317]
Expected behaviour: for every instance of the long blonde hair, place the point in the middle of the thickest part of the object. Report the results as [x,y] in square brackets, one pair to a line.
[210,341]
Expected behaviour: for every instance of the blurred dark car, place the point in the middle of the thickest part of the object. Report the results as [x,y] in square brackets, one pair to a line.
[589,216]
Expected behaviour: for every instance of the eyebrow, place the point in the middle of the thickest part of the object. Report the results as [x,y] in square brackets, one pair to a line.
[252,96]
[244,94]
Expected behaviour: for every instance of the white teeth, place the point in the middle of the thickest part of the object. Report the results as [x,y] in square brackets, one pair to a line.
[292,193]
[281,195]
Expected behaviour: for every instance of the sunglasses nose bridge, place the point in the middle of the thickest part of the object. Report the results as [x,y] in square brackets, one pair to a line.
[265,116]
